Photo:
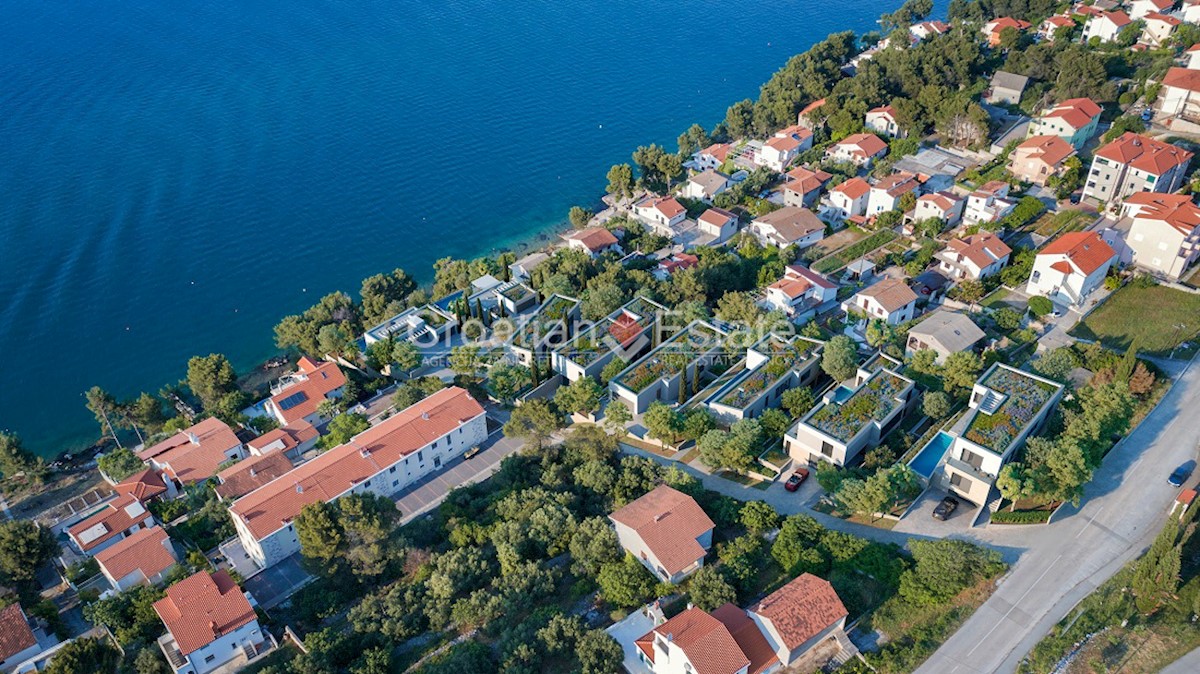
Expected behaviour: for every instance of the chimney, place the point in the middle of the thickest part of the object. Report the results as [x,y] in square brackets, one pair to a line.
[253,473]
[425,416]
[299,489]
[193,438]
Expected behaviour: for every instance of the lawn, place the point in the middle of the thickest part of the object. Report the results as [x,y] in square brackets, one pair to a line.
[1150,315]
[1062,221]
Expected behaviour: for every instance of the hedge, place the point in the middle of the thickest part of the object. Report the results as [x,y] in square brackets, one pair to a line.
[1021,517]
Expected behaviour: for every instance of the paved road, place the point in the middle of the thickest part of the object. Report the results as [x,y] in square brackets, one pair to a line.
[1188,664]
[1060,564]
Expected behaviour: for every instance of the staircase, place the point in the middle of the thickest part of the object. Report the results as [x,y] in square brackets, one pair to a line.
[250,650]
[848,650]
[991,402]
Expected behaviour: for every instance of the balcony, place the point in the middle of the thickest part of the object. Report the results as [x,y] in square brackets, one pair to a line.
[171,651]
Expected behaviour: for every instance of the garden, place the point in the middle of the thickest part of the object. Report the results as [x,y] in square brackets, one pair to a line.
[873,401]
[1156,318]
[1025,398]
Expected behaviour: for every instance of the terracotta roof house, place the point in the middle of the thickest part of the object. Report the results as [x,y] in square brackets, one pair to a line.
[1071,267]
[1189,11]
[383,459]
[1140,9]
[989,203]
[712,157]
[1038,158]
[1164,235]
[886,194]
[811,116]
[1106,26]
[145,486]
[661,213]
[717,223]
[803,186]
[293,440]
[1006,88]
[593,241]
[799,615]
[884,120]
[193,455]
[210,622]
[781,149]
[694,641]
[849,199]
[673,263]
[1179,100]
[1158,29]
[994,29]
[1075,120]
[1052,24]
[297,396]
[790,225]
[117,519]
[705,185]
[142,558]
[944,206]
[890,300]
[799,290]
[973,257]
[925,29]
[249,474]
[17,641]
[860,149]
[944,332]
[667,531]
[1135,163]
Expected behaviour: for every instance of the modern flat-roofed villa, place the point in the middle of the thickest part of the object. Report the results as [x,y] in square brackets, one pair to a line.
[772,366]
[1006,407]
[623,332]
[658,375]
[417,324]
[854,416]
[548,327]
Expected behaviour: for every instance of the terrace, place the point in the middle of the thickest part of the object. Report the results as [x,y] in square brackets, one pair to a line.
[1014,399]
[546,322]
[670,358]
[874,401]
[784,357]
[517,293]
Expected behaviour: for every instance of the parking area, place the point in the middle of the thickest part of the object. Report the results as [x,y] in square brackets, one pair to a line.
[274,584]
[919,520]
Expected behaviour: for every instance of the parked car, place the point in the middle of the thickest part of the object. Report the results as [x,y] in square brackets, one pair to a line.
[1147,114]
[1180,476]
[945,508]
[470,453]
[797,478]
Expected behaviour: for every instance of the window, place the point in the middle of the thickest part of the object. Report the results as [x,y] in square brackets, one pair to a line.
[956,479]
[826,449]
[209,658]
[972,459]
[392,469]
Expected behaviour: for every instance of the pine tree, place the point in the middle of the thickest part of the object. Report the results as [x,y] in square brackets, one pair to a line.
[535,372]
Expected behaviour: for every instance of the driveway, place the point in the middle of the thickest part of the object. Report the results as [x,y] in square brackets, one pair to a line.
[919,520]
[1122,510]
[274,584]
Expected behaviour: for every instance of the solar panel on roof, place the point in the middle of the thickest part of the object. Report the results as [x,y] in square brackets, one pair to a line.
[293,400]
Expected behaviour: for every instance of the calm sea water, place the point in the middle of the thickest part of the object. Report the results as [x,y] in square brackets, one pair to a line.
[176,176]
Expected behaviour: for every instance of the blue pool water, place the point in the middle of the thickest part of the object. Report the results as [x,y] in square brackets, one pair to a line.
[930,455]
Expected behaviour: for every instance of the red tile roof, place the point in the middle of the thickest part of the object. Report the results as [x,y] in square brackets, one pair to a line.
[148,550]
[193,455]
[1086,250]
[1076,112]
[718,151]
[717,217]
[1118,18]
[1144,153]
[284,438]
[803,181]
[748,636]
[142,486]
[704,640]
[1186,496]
[668,206]
[1052,150]
[595,239]
[679,261]
[245,476]
[897,184]
[943,200]
[669,522]
[853,188]
[110,522]
[812,106]
[864,144]
[801,609]
[1182,78]
[1176,210]
[202,608]
[303,397]
[981,249]
[270,507]
[1169,20]
[782,143]
[15,635]
[791,287]
[1060,21]
[892,294]
[811,276]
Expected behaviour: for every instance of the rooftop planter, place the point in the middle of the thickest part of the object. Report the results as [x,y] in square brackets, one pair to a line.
[873,401]
[1026,397]
[785,358]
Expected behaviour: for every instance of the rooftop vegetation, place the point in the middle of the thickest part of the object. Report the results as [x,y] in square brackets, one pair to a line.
[873,401]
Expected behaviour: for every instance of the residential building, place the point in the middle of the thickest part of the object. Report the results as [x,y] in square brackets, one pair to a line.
[1052,24]
[706,185]
[781,149]
[595,241]
[668,373]
[712,157]
[944,206]
[800,291]
[1164,235]
[1135,163]
[883,120]
[1180,95]
[661,213]
[1006,407]
[1141,9]
[994,29]
[1158,29]
[936,168]
[801,614]
[890,300]
[192,455]
[1038,158]
[861,149]
[145,486]
[1006,88]
[943,332]
[717,223]
[249,474]
[298,396]
[667,531]
[210,622]
[115,520]
[1071,267]
[673,263]
[975,257]
[291,440]
[886,194]
[1106,26]
[803,186]
[1190,12]
[696,642]
[522,269]
[426,325]
[1074,120]
[143,558]
[772,365]
[383,459]
[849,199]
[989,203]
[812,116]
[926,29]
[853,417]
[17,640]
[788,226]
[626,333]
[549,327]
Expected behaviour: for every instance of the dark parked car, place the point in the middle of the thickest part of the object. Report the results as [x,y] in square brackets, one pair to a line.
[793,483]
[945,508]
[1147,114]
[1180,476]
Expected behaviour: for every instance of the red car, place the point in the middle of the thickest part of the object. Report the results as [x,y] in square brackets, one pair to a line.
[793,483]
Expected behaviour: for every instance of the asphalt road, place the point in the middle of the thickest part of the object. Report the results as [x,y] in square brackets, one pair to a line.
[1059,564]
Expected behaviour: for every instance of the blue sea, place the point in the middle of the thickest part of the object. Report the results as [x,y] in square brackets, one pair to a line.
[177,176]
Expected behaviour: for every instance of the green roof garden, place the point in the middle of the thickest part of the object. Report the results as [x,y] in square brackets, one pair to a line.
[873,401]
[671,357]
[1024,397]
[545,322]
[785,356]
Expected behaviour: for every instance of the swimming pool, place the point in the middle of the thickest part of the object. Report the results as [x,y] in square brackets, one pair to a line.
[931,454]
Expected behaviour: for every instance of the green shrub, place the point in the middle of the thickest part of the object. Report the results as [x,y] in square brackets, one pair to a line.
[1021,517]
